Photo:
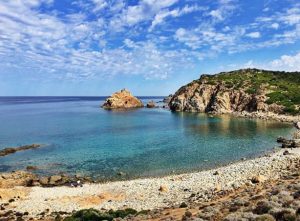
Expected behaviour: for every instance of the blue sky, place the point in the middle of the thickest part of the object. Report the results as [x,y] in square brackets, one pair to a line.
[151,47]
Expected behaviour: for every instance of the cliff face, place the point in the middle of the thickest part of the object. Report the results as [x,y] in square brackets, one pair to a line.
[122,99]
[229,92]
[200,97]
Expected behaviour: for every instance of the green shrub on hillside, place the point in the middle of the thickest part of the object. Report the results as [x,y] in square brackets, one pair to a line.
[283,87]
[95,215]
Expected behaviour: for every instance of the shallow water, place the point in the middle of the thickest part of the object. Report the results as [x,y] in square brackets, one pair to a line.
[81,138]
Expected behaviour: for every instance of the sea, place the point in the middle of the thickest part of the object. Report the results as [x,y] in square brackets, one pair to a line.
[78,137]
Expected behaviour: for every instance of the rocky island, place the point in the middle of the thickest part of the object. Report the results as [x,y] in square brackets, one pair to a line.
[246,90]
[122,100]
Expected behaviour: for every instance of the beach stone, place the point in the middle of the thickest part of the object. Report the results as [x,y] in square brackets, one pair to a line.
[183,205]
[286,152]
[258,179]
[216,173]
[163,188]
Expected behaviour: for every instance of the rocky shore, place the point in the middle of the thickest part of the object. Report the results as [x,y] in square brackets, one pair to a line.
[267,116]
[159,195]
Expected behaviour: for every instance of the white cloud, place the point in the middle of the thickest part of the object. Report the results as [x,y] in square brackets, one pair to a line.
[254,35]
[283,63]
[129,43]
[46,45]
[217,14]
[99,5]
[286,63]
[208,38]
[275,25]
[162,15]
[145,10]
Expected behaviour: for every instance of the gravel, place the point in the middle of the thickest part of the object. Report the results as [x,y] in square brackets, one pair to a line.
[145,194]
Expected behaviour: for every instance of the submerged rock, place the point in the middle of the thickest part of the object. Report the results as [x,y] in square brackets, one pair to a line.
[31,168]
[122,99]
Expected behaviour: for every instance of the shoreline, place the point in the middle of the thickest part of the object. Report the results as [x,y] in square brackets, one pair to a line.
[86,179]
[149,193]
[267,116]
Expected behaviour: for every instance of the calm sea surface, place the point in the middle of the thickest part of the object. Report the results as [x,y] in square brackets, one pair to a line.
[81,138]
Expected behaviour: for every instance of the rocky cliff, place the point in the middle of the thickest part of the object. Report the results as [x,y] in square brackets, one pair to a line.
[243,90]
[122,99]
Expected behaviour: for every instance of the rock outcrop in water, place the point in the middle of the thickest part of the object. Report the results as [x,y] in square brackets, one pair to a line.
[247,90]
[151,104]
[122,99]
[11,150]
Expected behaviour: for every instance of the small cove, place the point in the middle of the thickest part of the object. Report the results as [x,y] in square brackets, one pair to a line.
[81,138]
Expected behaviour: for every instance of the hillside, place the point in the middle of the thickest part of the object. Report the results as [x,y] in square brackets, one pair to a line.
[242,90]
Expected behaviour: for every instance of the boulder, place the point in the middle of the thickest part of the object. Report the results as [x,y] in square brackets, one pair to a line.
[295,143]
[17,178]
[122,100]
[54,179]
[281,140]
[151,104]
[44,181]
[286,152]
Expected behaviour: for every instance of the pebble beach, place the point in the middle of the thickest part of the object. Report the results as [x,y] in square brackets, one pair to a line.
[150,193]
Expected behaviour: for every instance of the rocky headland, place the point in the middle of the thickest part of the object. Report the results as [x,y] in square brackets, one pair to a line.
[246,92]
[122,100]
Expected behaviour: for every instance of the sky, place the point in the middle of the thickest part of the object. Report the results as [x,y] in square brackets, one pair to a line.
[151,47]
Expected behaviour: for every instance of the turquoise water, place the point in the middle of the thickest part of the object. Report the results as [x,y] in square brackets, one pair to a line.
[81,138]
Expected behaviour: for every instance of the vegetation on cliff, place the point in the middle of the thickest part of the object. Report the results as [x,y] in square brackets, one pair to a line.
[278,88]
[283,87]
